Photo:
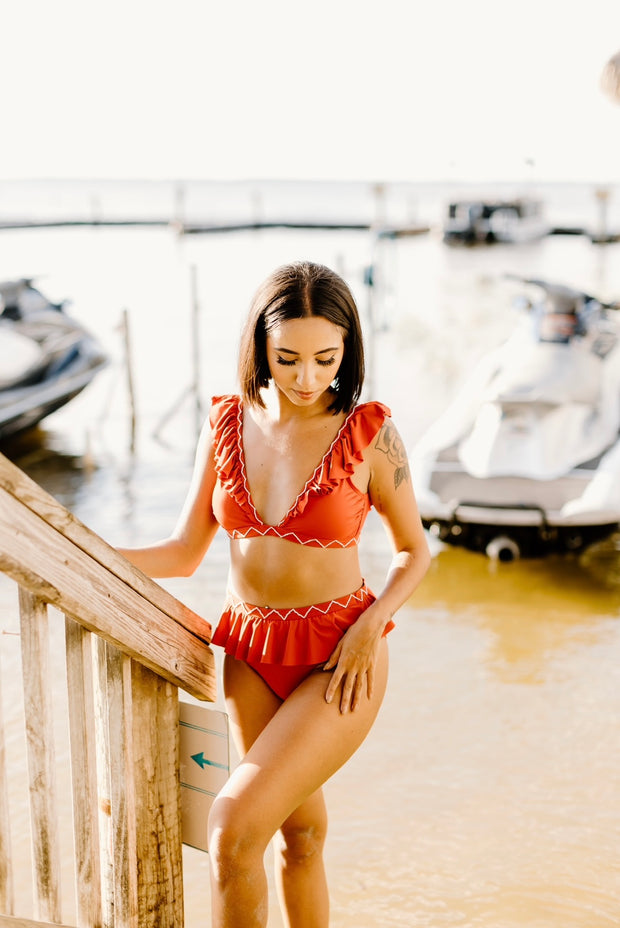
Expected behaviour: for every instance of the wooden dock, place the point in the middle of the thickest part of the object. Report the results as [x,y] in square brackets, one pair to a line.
[217,228]
[130,646]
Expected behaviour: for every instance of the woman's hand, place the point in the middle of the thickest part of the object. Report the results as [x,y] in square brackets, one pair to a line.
[354,660]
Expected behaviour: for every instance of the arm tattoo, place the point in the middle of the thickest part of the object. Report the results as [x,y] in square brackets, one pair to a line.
[390,443]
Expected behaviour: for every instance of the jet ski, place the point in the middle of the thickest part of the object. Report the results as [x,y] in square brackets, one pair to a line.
[526,459]
[46,357]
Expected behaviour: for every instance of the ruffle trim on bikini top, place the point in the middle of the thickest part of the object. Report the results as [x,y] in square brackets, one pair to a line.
[302,636]
[337,464]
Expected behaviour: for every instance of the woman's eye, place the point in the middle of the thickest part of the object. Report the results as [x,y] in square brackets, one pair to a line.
[287,363]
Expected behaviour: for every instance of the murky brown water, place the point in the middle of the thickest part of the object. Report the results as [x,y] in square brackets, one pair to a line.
[488,793]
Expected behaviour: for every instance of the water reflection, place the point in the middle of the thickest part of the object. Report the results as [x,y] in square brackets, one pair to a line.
[532,611]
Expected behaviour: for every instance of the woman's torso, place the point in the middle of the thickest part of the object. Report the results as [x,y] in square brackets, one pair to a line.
[276,462]
[281,574]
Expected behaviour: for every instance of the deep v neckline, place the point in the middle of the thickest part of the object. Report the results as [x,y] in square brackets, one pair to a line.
[306,487]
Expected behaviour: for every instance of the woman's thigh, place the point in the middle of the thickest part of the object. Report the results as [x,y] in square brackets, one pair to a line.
[250,703]
[301,743]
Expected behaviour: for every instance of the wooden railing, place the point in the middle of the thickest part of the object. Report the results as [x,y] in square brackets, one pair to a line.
[129,647]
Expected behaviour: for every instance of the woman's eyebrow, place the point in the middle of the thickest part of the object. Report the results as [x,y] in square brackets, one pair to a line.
[322,351]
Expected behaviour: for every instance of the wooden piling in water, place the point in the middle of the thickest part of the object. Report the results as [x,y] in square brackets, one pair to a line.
[130,380]
[192,390]
[195,328]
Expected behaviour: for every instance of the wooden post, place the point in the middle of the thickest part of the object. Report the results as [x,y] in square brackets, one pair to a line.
[130,384]
[379,192]
[84,773]
[41,755]
[371,346]
[122,790]
[115,781]
[196,351]
[139,794]
[193,388]
[602,195]
[104,788]
[179,205]
[155,735]
[6,875]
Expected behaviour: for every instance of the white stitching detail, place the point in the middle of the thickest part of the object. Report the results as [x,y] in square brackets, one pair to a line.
[302,612]
[254,531]
[306,487]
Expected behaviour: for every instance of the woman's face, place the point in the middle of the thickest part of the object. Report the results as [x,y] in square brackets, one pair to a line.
[304,356]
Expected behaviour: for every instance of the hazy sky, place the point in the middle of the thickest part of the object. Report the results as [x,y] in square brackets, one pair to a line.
[388,89]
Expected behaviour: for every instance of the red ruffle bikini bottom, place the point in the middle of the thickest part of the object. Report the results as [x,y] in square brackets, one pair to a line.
[284,646]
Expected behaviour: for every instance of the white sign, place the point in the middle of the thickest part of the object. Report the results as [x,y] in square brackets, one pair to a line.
[204,767]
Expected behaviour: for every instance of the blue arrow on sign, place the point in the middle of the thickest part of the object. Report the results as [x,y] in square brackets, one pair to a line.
[203,761]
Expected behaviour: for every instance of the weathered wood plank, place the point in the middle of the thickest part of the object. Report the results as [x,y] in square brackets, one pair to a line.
[105,752]
[6,872]
[41,755]
[52,567]
[116,675]
[17,484]
[155,750]
[83,772]
[139,794]
[116,788]
[8,922]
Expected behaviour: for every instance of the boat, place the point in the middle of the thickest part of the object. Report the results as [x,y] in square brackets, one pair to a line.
[526,459]
[46,357]
[471,222]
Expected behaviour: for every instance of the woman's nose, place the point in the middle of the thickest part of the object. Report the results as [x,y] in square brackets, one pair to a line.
[305,375]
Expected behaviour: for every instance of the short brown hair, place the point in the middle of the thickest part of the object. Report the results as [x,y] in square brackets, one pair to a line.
[294,291]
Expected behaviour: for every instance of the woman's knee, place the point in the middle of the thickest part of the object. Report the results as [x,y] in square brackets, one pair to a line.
[233,840]
[301,842]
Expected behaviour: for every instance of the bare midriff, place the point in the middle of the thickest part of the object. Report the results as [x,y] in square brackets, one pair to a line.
[267,571]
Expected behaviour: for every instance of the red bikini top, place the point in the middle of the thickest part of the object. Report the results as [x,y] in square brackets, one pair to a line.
[328,513]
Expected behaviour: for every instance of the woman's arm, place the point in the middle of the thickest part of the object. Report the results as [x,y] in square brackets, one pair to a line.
[180,554]
[391,493]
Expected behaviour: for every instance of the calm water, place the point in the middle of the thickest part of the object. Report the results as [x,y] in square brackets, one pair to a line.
[488,792]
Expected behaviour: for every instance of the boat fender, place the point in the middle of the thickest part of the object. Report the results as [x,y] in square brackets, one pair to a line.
[503,548]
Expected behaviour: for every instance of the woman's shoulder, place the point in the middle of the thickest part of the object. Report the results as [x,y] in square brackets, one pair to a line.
[357,433]
[225,399]
[371,409]
[369,416]
[387,453]
[223,407]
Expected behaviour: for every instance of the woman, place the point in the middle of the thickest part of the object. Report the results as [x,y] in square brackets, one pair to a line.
[290,469]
